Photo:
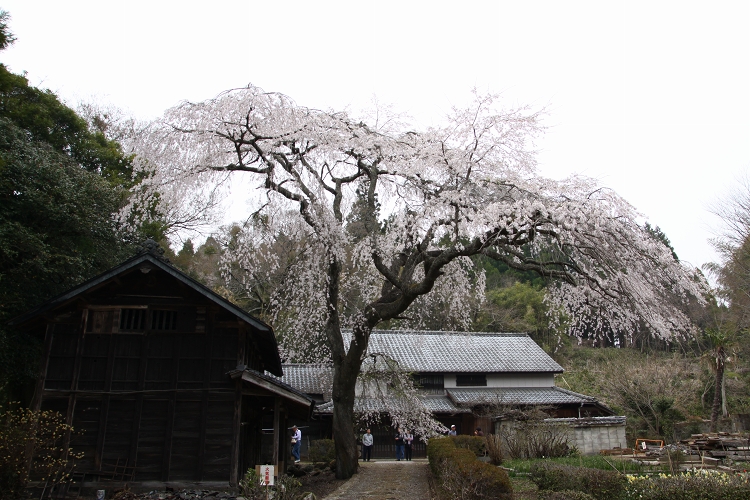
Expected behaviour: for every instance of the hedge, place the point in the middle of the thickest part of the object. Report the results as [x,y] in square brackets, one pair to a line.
[458,471]
[600,484]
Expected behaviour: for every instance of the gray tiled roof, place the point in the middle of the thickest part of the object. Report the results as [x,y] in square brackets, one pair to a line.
[462,400]
[436,404]
[441,404]
[517,396]
[462,352]
[309,378]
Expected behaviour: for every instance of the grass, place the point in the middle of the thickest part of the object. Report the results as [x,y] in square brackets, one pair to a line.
[523,488]
[592,462]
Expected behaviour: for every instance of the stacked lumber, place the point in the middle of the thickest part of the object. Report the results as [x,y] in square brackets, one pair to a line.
[720,445]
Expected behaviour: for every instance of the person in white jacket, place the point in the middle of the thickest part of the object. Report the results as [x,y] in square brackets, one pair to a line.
[367,446]
[296,443]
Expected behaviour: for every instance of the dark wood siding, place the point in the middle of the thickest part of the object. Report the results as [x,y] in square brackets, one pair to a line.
[160,399]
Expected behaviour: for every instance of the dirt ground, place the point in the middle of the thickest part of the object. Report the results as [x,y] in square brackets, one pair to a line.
[386,480]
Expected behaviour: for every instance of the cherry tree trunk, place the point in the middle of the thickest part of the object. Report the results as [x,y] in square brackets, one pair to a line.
[343,424]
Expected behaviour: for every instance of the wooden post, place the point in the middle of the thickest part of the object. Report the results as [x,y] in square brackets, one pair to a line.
[74,381]
[276,430]
[166,462]
[104,413]
[236,427]
[36,402]
[138,410]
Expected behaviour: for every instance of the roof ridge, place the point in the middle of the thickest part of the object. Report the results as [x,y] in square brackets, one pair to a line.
[447,333]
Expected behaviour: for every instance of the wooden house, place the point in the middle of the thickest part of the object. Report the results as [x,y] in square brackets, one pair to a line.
[465,379]
[157,372]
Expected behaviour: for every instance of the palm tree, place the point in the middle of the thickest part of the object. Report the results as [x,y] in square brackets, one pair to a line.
[719,341]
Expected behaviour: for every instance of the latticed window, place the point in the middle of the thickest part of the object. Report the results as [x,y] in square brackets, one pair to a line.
[132,320]
[430,383]
[163,320]
[471,380]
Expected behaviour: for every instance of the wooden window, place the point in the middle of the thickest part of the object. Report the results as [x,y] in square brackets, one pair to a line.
[102,320]
[163,320]
[132,320]
[471,380]
[430,383]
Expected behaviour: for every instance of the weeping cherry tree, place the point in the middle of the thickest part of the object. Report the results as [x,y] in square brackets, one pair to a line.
[446,194]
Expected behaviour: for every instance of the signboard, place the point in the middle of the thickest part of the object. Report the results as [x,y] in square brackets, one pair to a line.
[266,474]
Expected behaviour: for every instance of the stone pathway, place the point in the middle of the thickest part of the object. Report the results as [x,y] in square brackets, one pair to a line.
[386,480]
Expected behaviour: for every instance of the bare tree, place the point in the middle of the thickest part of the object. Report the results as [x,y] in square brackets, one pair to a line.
[468,188]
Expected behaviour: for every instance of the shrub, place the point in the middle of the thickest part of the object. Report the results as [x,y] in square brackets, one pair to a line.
[41,433]
[322,451]
[527,434]
[494,446]
[474,443]
[438,450]
[694,485]
[461,475]
[601,484]
[285,487]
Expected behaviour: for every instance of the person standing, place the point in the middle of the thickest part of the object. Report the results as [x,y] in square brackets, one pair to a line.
[399,445]
[296,443]
[408,438]
[479,432]
[452,432]
[367,445]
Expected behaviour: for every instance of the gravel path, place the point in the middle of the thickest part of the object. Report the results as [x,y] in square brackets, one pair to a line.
[386,480]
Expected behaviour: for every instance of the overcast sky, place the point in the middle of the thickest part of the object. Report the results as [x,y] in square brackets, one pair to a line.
[650,98]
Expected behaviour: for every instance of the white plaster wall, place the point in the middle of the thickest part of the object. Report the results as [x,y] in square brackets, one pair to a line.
[589,439]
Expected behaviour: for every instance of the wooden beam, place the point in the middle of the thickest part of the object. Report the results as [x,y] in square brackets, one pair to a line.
[104,413]
[166,462]
[135,434]
[36,402]
[236,426]
[276,430]
[70,414]
[207,356]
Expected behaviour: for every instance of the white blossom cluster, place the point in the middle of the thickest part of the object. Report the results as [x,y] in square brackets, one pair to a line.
[467,188]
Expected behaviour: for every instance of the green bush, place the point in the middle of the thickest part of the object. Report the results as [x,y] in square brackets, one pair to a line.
[285,487]
[322,451]
[601,484]
[461,475]
[695,485]
[474,443]
[438,450]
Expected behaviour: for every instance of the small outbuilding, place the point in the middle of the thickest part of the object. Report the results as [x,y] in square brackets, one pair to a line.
[163,377]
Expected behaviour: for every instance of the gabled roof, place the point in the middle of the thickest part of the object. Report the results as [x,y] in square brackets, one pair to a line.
[462,352]
[150,255]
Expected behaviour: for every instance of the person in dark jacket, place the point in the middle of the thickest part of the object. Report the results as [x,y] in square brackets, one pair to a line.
[399,445]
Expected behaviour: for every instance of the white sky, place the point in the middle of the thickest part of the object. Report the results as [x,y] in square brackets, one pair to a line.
[651,98]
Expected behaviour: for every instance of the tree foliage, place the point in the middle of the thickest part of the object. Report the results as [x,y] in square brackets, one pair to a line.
[468,188]
[61,189]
